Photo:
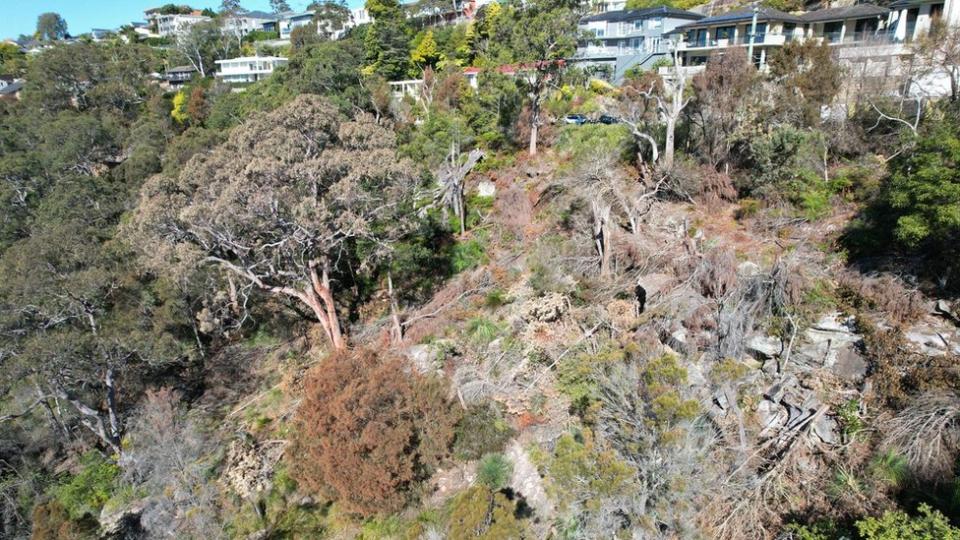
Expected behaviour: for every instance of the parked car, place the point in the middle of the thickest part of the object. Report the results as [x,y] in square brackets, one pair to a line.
[607,119]
[576,119]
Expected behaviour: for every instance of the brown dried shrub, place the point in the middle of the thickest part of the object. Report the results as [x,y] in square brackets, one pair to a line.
[369,431]
[717,272]
[885,294]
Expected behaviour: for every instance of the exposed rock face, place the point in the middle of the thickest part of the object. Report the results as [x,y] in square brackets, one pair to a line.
[123,523]
[764,347]
[526,481]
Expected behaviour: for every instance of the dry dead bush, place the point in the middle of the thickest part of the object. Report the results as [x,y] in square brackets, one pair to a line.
[369,431]
[927,434]
[885,294]
[717,273]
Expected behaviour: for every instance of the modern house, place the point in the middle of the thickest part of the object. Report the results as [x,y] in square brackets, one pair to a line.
[248,69]
[290,21]
[911,19]
[169,24]
[699,40]
[178,76]
[860,23]
[249,21]
[625,39]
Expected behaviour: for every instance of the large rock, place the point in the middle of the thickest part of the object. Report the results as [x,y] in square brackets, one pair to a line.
[486,188]
[123,523]
[827,429]
[830,338]
[764,347]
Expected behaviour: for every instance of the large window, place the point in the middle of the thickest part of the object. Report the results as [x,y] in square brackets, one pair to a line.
[832,31]
[725,32]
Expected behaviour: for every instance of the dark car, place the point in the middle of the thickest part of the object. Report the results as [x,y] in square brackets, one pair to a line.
[607,119]
[577,119]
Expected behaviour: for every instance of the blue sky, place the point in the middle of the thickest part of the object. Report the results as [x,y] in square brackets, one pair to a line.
[20,16]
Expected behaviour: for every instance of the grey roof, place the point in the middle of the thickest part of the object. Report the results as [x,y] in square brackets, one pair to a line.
[633,14]
[260,15]
[764,14]
[11,88]
[182,69]
[849,12]
[900,4]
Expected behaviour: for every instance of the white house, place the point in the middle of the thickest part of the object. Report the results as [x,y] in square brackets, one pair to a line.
[248,69]
[249,21]
[169,24]
[293,20]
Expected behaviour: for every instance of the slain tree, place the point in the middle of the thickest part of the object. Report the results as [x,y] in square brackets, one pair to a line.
[283,206]
[369,431]
[541,36]
[51,27]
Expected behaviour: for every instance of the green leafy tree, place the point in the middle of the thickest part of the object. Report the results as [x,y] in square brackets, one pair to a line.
[541,36]
[281,206]
[425,52]
[897,525]
[179,110]
[331,17]
[924,189]
[809,75]
[51,27]
[386,43]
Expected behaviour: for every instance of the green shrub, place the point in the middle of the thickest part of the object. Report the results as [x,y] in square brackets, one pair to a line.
[481,514]
[469,253]
[897,525]
[86,492]
[890,469]
[494,471]
[482,430]
[821,530]
[849,416]
[483,330]
[580,142]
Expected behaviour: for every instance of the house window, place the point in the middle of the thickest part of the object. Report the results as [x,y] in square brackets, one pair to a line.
[724,32]
[832,30]
[638,25]
[788,30]
[598,32]
[656,22]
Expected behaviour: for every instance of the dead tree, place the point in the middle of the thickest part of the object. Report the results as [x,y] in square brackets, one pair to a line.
[450,180]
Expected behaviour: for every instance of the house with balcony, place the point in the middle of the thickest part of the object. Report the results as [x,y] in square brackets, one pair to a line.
[248,69]
[912,19]
[288,22]
[857,24]
[245,22]
[697,41]
[170,24]
[626,39]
